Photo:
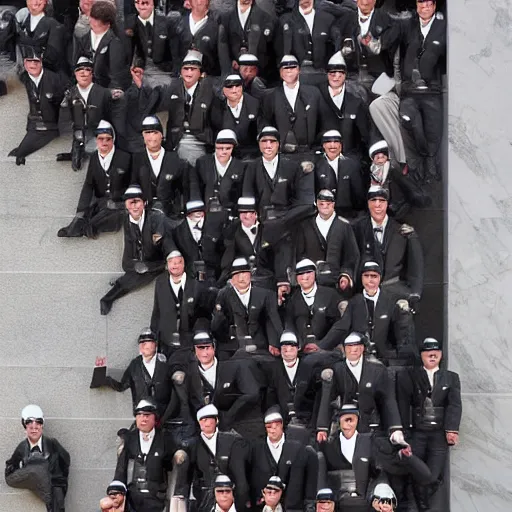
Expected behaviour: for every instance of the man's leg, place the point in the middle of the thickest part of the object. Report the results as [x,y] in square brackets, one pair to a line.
[32,142]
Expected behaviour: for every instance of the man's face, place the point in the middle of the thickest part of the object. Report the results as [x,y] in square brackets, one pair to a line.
[208,425]
[83,77]
[199,5]
[325,506]
[269,147]
[241,281]
[33,67]
[117,498]
[325,208]
[353,352]
[104,143]
[190,75]
[426,10]
[36,7]
[289,353]
[223,152]
[332,149]
[147,349]
[248,219]
[135,207]
[336,79]
[371,282]
[380,159]
[224,497]
[205,353]
[378,207]
[144,8]
[97,26]
[290,75]
[34,430]
[176,266]
[145,421]
[233,93]
[306,280]
[195,217]
[348,425]
[245,2]
[385,505]
[306,5]
[274,430]
[153,140]
[248,73]
[272,496]
[431,358]
[366,6]
[86,6]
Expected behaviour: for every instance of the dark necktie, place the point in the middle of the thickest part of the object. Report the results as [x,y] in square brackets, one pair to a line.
[376,231]
[35,449]
[149,31]
[254,230]
[363,19]
[371,308]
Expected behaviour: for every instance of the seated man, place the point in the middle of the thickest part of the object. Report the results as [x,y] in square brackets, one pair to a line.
[272,495]
[248,67]
[224,496]
[145,243]
[245,311]
[100,206]
[39,462]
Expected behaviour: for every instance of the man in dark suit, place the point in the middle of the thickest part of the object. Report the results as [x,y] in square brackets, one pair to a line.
[180,301]
[45,91]
[244,310]
[146,240]
[100,206]
[217,453]
[342,110]
[292,462]
[429,400]
[240,112]
[294,109]
[145,457]
[396,248]
[329,239]
[36,451]
[248,67]
[341,175]
[312,311]
[161,174]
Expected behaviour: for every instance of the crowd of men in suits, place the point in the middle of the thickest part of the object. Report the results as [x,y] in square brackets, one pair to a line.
[281,370]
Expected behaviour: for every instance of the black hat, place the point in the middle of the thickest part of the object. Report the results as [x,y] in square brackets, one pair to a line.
[146,405]
[376,191]
[226,137]
[379,147]
[246,204]
[223,481]
[430,344]
[202,338]
[288,338]
[83,63]
[348,409]
[331,136]
[31,52]
[104,127]
[193,58]
[269,131]
[337,63]
[325,495]
[231,80]
[384,491]
[153,124]
[371,266]
[289,61]
[239,265]
[304,266]
[116,486]
[274,482]
[194,206]
[147,335]
[325,195]
[354,338]
[248,59]
[273,414]
[132,192]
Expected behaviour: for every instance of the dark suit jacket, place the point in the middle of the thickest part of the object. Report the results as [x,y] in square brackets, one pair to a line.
[281,391]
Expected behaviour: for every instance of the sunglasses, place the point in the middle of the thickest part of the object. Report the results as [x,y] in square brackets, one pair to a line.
[114,493]
[39,421]
[203,347]
[385,501]
[232,86]
[223,491]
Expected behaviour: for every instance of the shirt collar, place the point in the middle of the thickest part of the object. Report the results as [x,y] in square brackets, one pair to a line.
[327,221]
[192,90]
[359,363]
[361,15]
[375,298]
[429,24]
[276,445]
[434,370]
[311,293]
[110,154]
[150,20]
[151,434]
[218,164]
[383,225]
[294,89]
[272,162]
[36,79]
[139,222]
[39,443]
[86,90]
[181,283]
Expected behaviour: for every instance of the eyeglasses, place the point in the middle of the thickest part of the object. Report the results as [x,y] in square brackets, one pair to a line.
[224,491]
[232,86]
[115,493]
[385,501]
[39,421]
[337,72]
[203,347]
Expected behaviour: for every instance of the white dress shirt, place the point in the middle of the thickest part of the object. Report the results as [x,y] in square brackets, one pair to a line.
[34,21]
[242,16]
[324,225]
[145,446]
[96,39]
[364,25]
[211,374]
[211,442]
[231,509]
[348,446]
[356,369]
[238,109]
[39,444]
[425,29]
[430,375]
[291,369]
[276,449]
[85,92]
[196,233]
[334,165]
[150,20]
[150,365]
[249,233]
[244,297]
[191,92]
[271,166]
[195,26]
[309,297]
[106,160]
[156,163]
[374,299]
[291,94]
[310,18]
[177,286]
[338,99]
[380,236]
[139,222]
[36,79]
[221,169]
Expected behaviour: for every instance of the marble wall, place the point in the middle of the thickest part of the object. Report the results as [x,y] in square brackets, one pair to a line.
[479,244]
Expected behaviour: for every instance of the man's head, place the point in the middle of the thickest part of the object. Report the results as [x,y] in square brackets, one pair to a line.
[147,343]
[248,67]
[268,141]
[144,8]
[331,142]
[199,5]
[36,7]
[134,201]
[153,133]
[370,277]
[306,5]
[241,275]
[32,420]
[273,491]
[223,488]
[175,264]
[116,491]
[378,198]
[224,144]
[305,270]
[204,348]
[247,211]
[104,137]
[289,346]
[83,72]
[33,66]
[325,203]
[353,346]
[349,417]
[191,68]
[194,210]
[274,425]
[102,17]
[431,353]
[289,70]
[145,415]
[233,88]
[379,152]
[208,417]
[384,498]
[325,500]
[426,9]
[366,6]
[336,71]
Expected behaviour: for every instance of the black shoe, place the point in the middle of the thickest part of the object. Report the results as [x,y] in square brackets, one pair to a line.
[90,232]
[13,152]
[63,157]
[105,307]
[20,160]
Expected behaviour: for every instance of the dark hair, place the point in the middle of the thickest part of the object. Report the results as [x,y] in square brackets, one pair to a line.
[104,12]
